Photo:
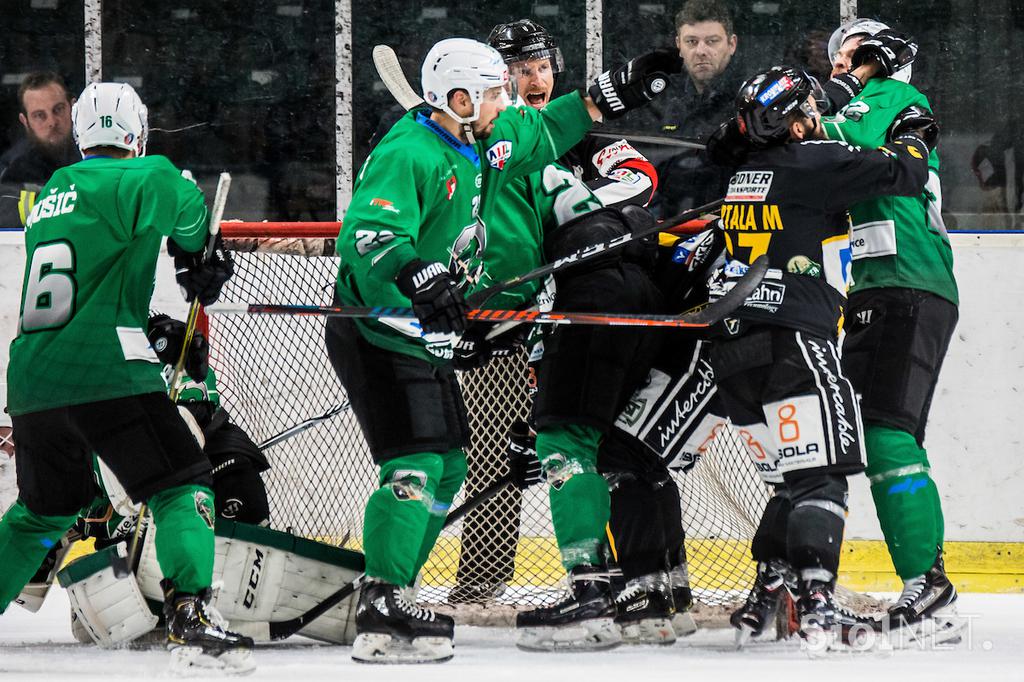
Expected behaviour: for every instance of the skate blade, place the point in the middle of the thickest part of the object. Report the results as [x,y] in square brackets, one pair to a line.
[648,631]
[942,628]
[818,642]
[862,640]
[191,661]
[379,648]
[684,624]
[748,636]
[589,635]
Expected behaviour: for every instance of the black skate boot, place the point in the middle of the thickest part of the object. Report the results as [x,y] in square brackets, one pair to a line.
[926,609]
[644,609]
[584,620]
[198,638]
[682,599]
[816,610]
[753,618]
[392,629]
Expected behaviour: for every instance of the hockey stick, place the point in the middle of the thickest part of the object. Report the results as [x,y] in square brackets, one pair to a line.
[479,298]
[699,319]
[652,139]
[390,71]
[287,628]
[122,565]
[303,425]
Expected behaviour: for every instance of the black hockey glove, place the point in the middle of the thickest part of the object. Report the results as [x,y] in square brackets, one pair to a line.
[200,277]
[890,49]
[523,463]
[918,122]
[635,83]
[727,146]
[435,297]
[474,350]
[166,335]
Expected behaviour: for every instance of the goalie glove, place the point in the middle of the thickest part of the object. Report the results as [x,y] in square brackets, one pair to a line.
[166,335]
[201,277]
[890,49]
[523,463]
[917,122]
[435,297]
[635,83]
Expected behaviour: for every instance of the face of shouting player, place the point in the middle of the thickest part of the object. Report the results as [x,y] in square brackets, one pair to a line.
[535,80]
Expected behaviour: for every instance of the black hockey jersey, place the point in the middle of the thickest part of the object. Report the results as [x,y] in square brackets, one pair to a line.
[789,202]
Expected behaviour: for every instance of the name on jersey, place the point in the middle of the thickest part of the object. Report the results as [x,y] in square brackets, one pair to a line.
[56,203]
[749,186]
[499,153]
[750,217]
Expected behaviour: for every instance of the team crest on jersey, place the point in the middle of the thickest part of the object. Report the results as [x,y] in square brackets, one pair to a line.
[498,153]
[749,186]
[204,507]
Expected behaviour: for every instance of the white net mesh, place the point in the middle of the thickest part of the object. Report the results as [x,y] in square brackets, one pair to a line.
[274,373]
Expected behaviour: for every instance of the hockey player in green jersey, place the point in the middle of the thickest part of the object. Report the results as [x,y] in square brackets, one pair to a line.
[83,378]
[899,322]
[416,232]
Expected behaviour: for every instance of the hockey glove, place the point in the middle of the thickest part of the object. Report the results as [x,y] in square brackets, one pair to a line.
[918,122]
[474,349]
[523,463]
[890,49]
[727,146]
[166,335]
[200,277]
[435,297]
[634,84]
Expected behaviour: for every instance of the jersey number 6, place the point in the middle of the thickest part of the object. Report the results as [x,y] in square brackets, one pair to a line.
[50,290]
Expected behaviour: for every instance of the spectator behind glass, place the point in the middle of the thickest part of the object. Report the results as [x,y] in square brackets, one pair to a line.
[48,143]
[699,99]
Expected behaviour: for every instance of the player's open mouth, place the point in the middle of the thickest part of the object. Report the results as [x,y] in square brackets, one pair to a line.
[536,98]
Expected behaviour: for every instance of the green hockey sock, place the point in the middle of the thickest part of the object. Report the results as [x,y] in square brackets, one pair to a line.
[580,502]
[184,519]
[451,480]
[906,499]
[25,539]
[398,514]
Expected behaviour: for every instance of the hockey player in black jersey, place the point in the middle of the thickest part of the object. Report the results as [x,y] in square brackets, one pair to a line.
[777,364]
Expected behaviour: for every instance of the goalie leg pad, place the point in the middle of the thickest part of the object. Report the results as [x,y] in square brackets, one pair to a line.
[112,611]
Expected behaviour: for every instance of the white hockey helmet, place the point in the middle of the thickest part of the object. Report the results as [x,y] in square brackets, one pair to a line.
[110,115]
[461,64]
[859,27]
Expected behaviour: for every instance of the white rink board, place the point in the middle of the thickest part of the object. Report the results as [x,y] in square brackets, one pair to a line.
[974,440]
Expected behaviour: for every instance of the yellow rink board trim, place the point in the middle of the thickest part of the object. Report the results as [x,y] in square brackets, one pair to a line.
[865,565]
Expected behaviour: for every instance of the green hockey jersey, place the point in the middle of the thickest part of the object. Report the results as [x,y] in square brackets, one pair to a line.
[896,241]
[423,194]
[91,245]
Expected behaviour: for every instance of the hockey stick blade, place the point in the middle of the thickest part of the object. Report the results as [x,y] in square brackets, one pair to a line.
[652,139]
[390,71]
[583,255]
[287,628]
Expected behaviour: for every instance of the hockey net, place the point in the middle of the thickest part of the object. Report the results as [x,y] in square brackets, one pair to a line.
[273,373]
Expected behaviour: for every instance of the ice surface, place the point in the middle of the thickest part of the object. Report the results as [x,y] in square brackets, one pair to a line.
[40,646]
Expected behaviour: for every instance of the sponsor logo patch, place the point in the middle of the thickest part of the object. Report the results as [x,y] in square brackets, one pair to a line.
[450,186]
[499,153]
[749,186]
[384,204]
[768,296]
[772,92]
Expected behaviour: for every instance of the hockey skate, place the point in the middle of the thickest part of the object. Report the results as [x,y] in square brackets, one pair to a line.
[644,610]
[584,620]
[926,610]
[198,638]
[392,629]
[816,609]
[682,599]
[759,611]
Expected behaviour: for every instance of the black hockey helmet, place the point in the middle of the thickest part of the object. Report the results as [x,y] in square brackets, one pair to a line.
[766,100]
[519,41]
